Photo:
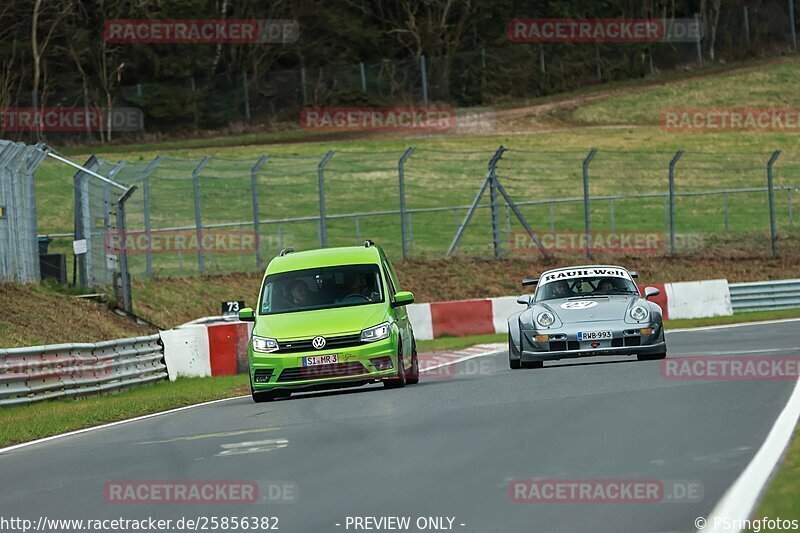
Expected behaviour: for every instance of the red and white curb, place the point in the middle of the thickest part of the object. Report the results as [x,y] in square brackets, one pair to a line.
[430,362]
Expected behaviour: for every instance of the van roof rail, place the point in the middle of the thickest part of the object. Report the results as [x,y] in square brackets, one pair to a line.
[368,243]
[286,251]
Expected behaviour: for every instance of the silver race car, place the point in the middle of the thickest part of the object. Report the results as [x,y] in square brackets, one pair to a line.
[585,311]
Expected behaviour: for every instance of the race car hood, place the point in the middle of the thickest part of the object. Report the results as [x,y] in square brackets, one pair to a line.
[324,322]
[571,310]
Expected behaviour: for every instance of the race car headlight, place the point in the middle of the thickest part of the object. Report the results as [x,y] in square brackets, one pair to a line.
[264,345]
[639,313]
[545,319]
[379,332]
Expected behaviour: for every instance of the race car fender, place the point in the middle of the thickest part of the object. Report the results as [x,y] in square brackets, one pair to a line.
[514,335]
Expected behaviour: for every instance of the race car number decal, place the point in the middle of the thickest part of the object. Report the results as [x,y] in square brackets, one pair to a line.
[582,304]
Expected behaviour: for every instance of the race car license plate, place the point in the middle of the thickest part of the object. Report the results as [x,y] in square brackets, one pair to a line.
[316,360]
[594,335]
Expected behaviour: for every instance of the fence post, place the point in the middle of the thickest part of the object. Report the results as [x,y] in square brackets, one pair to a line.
[773,231]
[323,223]
[303,85]
[146,194]
[746,16]
[401,176]
[791,25]
[586,162]
[672,164]
[198,219]
[424,72]
[698,45]
[725,208]
[256,213]
[246,90]
[363,77]
[493,206]
[125,276]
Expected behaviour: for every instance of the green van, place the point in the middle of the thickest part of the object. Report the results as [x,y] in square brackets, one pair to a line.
[330,318]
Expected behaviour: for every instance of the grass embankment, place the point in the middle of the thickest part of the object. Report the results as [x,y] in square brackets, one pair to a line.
[548,141]
[28,422]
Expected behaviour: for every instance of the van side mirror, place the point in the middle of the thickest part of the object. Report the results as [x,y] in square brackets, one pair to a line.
[650,292]
[525,299]
[247,314]
[403,298]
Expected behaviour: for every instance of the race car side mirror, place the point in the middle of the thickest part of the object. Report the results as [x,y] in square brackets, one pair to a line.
[247,315]
[650,292]
[525,299]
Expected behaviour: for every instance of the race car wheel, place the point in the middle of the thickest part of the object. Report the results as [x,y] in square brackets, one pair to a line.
[413,374]
[651,356]
[400,380]
[532,364]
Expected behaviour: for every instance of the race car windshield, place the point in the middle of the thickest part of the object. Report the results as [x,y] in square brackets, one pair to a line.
[585,287]
[321,288]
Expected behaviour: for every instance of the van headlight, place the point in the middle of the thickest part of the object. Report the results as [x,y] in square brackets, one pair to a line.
[376,333]
[545,319]
[264,345]
[639,313]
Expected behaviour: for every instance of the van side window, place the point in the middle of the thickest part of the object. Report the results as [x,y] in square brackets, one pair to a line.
[389,282]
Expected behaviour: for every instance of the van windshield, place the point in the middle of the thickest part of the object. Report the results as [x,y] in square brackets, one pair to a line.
[321,288]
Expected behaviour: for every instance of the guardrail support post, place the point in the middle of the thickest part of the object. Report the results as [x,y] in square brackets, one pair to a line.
[586,217]
[323,223]
[124,274]
[146,194]
[401,175]
[672,164]
[254,191]
[773,231]
[198,219]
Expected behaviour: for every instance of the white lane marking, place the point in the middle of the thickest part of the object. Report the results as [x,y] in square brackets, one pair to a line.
[211,435]
[257,446]
[739,325]
[754,351]
[738,502]
[178,409]
[493,351]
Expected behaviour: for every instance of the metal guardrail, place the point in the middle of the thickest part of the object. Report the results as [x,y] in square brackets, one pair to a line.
[765,295]
[38,373]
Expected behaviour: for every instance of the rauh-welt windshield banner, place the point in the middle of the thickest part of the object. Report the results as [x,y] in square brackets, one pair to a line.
[570,273]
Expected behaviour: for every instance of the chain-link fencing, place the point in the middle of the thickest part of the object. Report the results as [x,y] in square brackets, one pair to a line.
[19,254]
[212,215]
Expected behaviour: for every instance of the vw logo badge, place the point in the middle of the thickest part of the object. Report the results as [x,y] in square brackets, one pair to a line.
[318,343]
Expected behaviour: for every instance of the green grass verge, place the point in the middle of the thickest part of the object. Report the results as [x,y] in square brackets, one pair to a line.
[782,498]
[29,422]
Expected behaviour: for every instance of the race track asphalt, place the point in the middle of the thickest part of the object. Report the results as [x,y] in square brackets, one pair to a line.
[448,447]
